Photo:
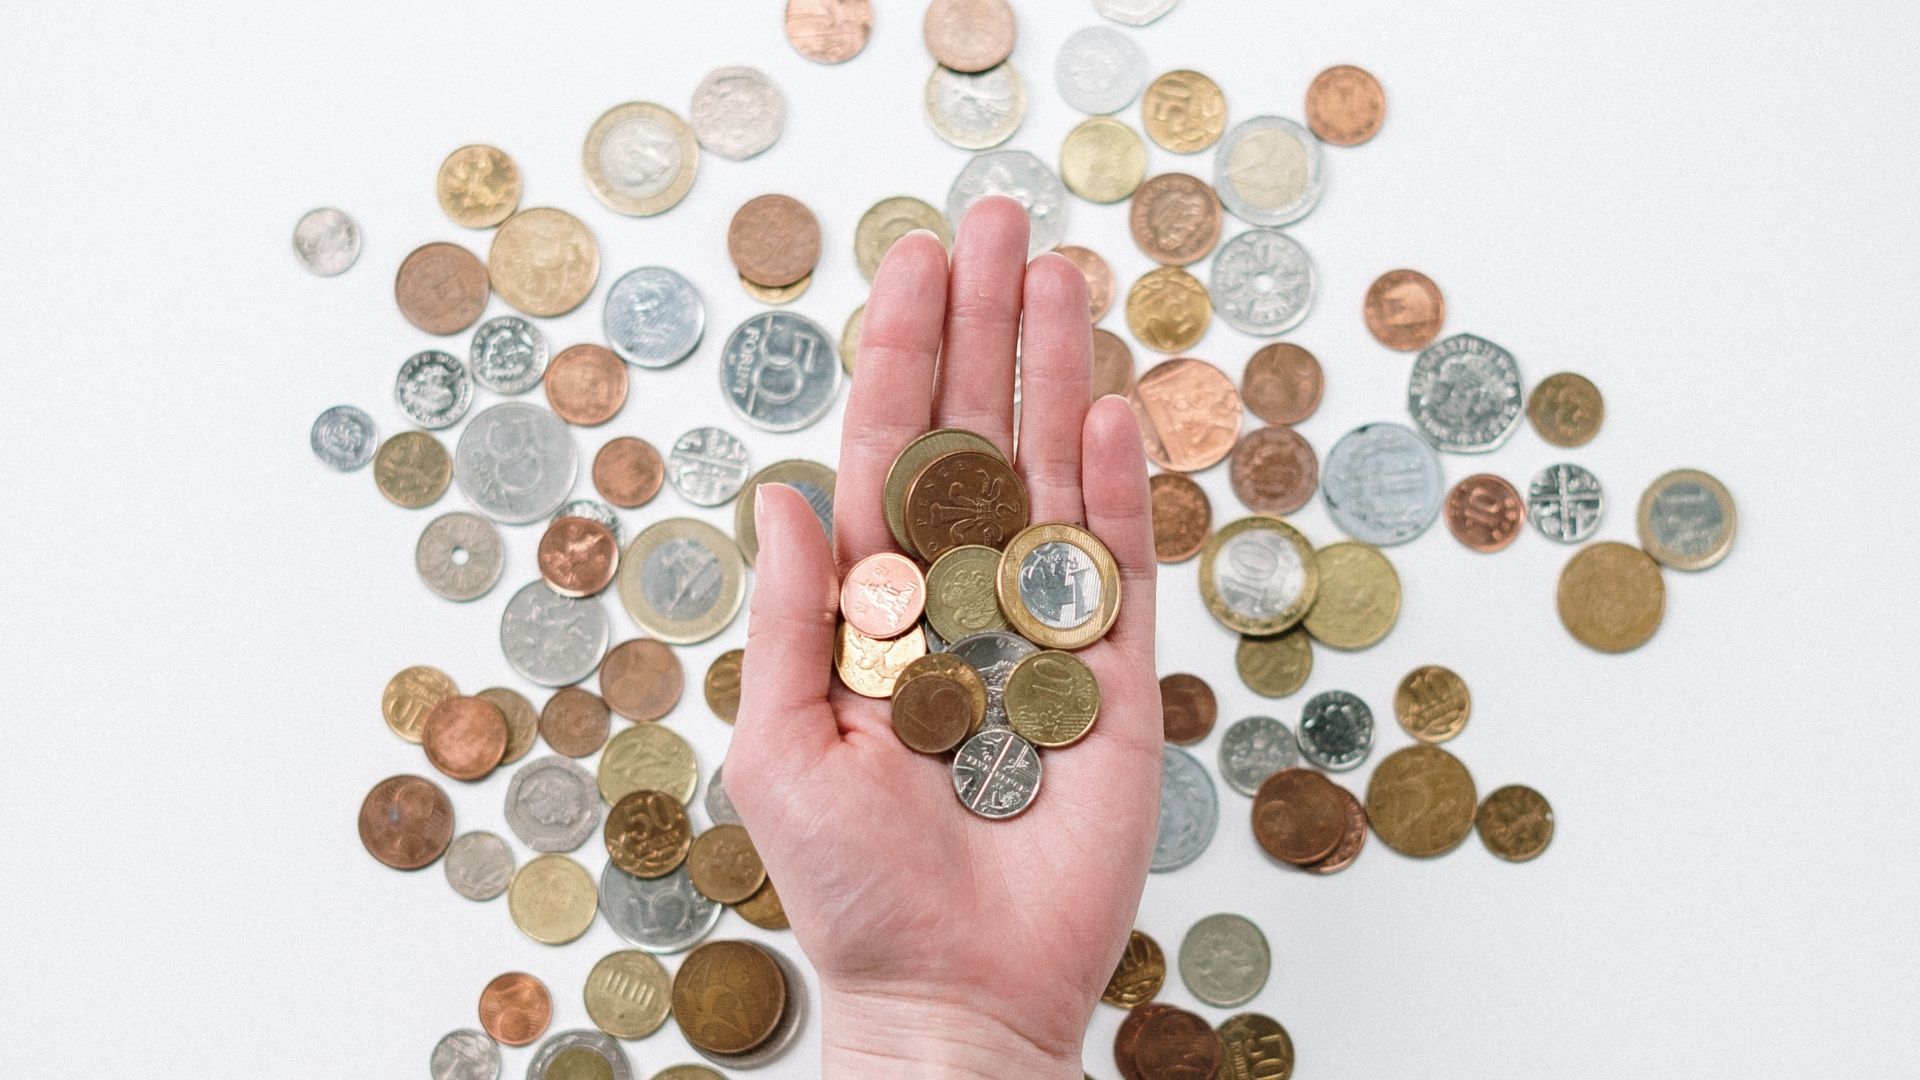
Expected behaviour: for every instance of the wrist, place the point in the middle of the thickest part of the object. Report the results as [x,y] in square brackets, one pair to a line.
[891,1033]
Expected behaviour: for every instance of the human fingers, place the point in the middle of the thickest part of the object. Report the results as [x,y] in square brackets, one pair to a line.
[784,719]
[974,383]
[1113,480]
[1056,372]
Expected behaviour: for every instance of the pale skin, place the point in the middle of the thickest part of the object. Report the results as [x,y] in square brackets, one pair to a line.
[948,945]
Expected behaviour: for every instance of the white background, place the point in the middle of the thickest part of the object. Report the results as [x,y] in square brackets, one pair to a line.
[1707,208]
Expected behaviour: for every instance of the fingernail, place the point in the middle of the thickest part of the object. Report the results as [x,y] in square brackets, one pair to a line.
[759,503]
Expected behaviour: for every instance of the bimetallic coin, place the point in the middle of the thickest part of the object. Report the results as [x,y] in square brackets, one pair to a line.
[1464,394]
[515,1008]
[1262,282]
[653,317]
[1138,976]
[976,111]
[1611,596]
[412,470]
[996,773]
[1336,730]
[1189,811]
[1184,111]
[1565,502]
[994,654]
[1182,517]
[1515,822]
[1484,512]
[1359,597]
[1258,575]
[551,639]
[814,482]
[1102,160]
[407,821]
[1168,310]
[869,666]
[1188,412]
[1023,178]
[1134,12]
[779,372]
[551,805]
[478,186]
[515,462]
[479,865]
[707,465]
[1432,703]
[343,437]
[1224,960]
[628,994]
[1052,699]
[543,261]
[1687,520]
[1345,105]
[433,389]
[1421,801]
[1099,70]
[509,355]
[1277,665]
[648,757]
[1566,409]
[326,240]
[720,809]
[1059,586]
[1267,171]
[661,915]
[410,695]
[737,112]
[465,1054]
[1404,310]
[578,1055]
[887,221]
[1382,484]
[640,158]
[1253,749]
[682,580]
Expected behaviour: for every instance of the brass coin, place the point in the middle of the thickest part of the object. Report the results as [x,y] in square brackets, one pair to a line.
[544,261]
[969,35]
[959,671]
[932,713]
[1566,409]
[1176,1043]
[412,469]
[1188,412]
[914,457]
[1515,822]
[966,497]
[763,909]
[464,737]
[406,822]
[776,295]
[1112,362]
[1404,310]
[575,722]
[578,1063]
[552,899]
[1345,105]
[1126,1041]
[774,240]
[1432,703]
[887,221]
[1359,597]
[478,186]
[441,288]
[1277,665]
[870,668]
[722,684]
[1687,520]
[814,481]
[627,472]
[411,694]
[1182,517]
[1611,596]
[1258,575]
[1175,218]
[647,834]
[1099,277]
[1052,698]
[701,1072]
[1258,1048]
[1184,111]
[647,757]
[640,158]
[1421,801]
[1298,816]
[629,994]
[1059,586]
[724,865]
[1282,384]
[515,1008]
[1139,975]
[1102,160]
[523,723]
[728,996]
[963,593]
[682,580]
[850,338]
[641,679]
[1187,708]
[1168,310]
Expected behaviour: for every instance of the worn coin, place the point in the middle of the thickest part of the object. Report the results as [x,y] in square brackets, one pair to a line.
[410,695]
[1359,597]
[406,822]
[577,556]
[433,389]
[1432,703]
[775,296]
[1187,708]
[441,288]
[1138,976]
[1282,383]
[722,685]
[1257,1048]
[1298,816]
[1182,516]
[778,371]
[627,471]
[586,385]
[1564,502]
[479,865]
[1382,484]
[719,806]
[737,112]
[1275,665]
[829,31]
[1134,12]
[515,462]
[728,996]
[464,737]
[1189,811]
[641,679]
[1611,596]
[961,592]
[1168,310]
[1184,111]
[933,712]
[1336,730]
[551,639]
[965,497]
[326,240]
[552,900]
[708,465]
[724,864]
[1258,575]
[627,994]
[478,186]
[579,1055]
[1059,586]
[1099,70]
[815,483]
[870,667]
[1174,218]
[465,1054]
[593,510]
[1566,409]
[1177,1043]
[682,580]
[993,654]
[1224,960]
[774,240]
[648,833]
[509,354]
[1421,801]
[1274,470]
[1262,282]
[1025,179]
[1052,699]
[1188,412]
[515,1008]
[1515,822]
[1404,310]
[1345,105]
[648,757]
[575,722]
[1253,749]
[887,221]
[660,915]
[640,158]
[969,35]
[1464,394]
[544,261]
[1102,160]
[1112,364]
[976,111]
[792,1018]
[996,773]
[1099,277]
[917,455]
[958,670]
[1687,520]
[1484,512]
[343,437]
[653,317]
[551,805]
[412,470]
[1267,171]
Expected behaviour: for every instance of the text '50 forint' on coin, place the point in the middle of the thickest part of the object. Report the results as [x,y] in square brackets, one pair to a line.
[1059,586]
[1258,575]
[779,372]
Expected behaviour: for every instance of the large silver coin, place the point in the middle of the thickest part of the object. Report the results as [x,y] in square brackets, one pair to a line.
[1025,179]
[597,1041]
[553,640]
[661,915]
[654,317]
[1262,282]
[344,437]
[779,371]
[976,111]
[792,1019]
[737,112]
[465,1054]
[515,462]
[459,556]
[1564,502]
[326,240]
[1134,12]
[1267,171]
[509,355]
[708,466]
[720,809]
[1100,70]
[1382,484]
[552,804]
[1189,811]
[593,510]
[996,773]
[1336,730]
[993,653]
[433,389]
[1464,394]
[1224,960]
[1253,749]
[479,865]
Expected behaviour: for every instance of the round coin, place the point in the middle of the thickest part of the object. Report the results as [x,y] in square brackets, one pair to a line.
[1277,665]
[1134,12]
[1102,160]
[515,462]
[815,483]
[1182,517]
[628,994]
[917,455]
[932,713]
[774,240]
[965,497]
[412,470]
[1189,811]
[1168,310]
[1611,596]
[552,900]
[593,510]
[1257,1046]
[1336,730]
[660,915]
[1359,597]
[1188,412]
[515,1008]
[772,295]
[975,111]
[1282,383]
[1184,111]
[968,35]
[993,654]
[1253,749]
[1566,409]
[579,1055]
[1267,171]
[1382,484]
[479,865]
[737,112]
[648,833]
[996,773]
[764,909]
[464,737]
[1187,708]
[724,864]
[441,288]
[829,31]
[465,1054]
[883,595]
[1126,1041]
[1464,394]
[1099,298]
[1515,822]
[887,221]
[869,666]
[1404,310]
[586,385]
[1262,282]
[708,465]
[654,317]
[1345,105]
[778,371]
[551,805]
[406,822]
[478,186]
[1224,960]
[1564,502]
[1352,840]
[1138,976]
[1059,586]
[640,158]
[1052,699]
[627,472]
[1484,512]
[1298,816]
[1432,703]
[508,355]
[1099,70]
[728,996]
[1177,1043]
[1258,575]
[544,261]
[343,437]
[523,723]
[1421,801]
[1174,218]
[575,722]
[648,757]
[551,639]
[433,389]
[410,695]
[1273,470]
[722,685]
[577,557]
[326,241]
[962,596]
[1025,179]
[1687,520]
[682,580]
[1112,363]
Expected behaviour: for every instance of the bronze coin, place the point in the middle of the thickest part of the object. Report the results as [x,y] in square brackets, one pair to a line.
[1126,1041]
[515,1008]
[406,822]
[829,31]
[1432,703]
[1175,218]
[1298,816]
[523,723]
[1351,840]
[969,35]
[575,722]
[1566,409]
[1345,105]
[1421,801]
[627,472]
[648,834]
[1515,822]
[724,865]
[577,556]
[764,909]
[1099,280]
[1112,364]
[774,240]
[966,497]
[1274,470]
[932,713]
[465,737]
[1138,976]
[1178,1045]
[722,685]
[641,679]
[1182,517]
[1282,383]
[1187,708]
[586,384]
[1189,414]
[1484,512]
[441,288]
[728,996]
[1404,310]
[1258,1048]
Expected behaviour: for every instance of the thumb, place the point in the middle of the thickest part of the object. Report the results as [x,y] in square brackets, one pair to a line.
[789,658]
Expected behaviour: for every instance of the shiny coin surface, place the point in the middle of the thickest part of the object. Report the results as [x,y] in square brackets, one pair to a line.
[326,240]
[661,915]
[551,639]
[1566,409]
[1112,363]
[1099,70]
[829,31]
[575,722]
[1134,12]
[1345,105]
[410,695]
[1224,960]
[343,437]
[708,465]
[640,158]
[1382,484]
[552,900]
[724,864]
[441,288]
[1025,179]
[1336,730]
[412,470]
[1515,822]
[433,389]
[627,994]
[764,909]
[1052,699]
[1174,218]
[648,757]
[1687,520]
[1188,412]
[1565,502]
[1182,517]
[1059,586]
[1184,111]
[1262,282]
[792,1018]
[1189,811]
[586,385]
[515,1008]
[1188,708]
[627,471]
[917,455]
[962,596]
[1276,665]
[869,666]
[728,996]
[406,822]
[464,737]
[887,221]
[1359,597]
[577,556]
[1168,310]
[523,723]
[579,1055]
[478,186]
[1257,1048]
[544,261]
[509,355]
[969,35]
[1421,801]
[883,595]
[961,498]
[722,685]
[1102,160]
[1138,976]
[1484,512]
[994,654]
[774,240]
[934,712]
[737,112]
[1464,394]
[465,1054]
[479,865]
[814,481]
[779,372]
[1611,596]
[1258,575]
[1253,749]
[1267,171]
[515,462]
[551,805]
[653,317]
[1432,703]
[648,833]
[1404,310]
[641,679]
[682,580]
[976,111]
[1282,383]
[1099,278]
[1274,470]
[1298,816]
[996,773]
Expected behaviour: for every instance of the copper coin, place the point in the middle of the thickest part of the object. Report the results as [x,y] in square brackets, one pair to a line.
[728,996]
[1175,218]
[465,737]
[1187,708]
[441,288]
[1112,364]
[1189,414]
[575,722]
[641,679]
[1404,310]
[1126,1041]
[966,497]
[969,35]
[1182,517]
[406,822]
[1178,1045]
[722,684]
[515,1008]
[586,384]
[932,713]
[1345,105]
[1274,470]
[774,240]
[1484,512]
[1099,279]
[764,909]
[577,556]
[724,864]
[648,834]
[627,472]
[883,595]
[1566,409]
[829,31]
[1282,383]
[1298,816]
[1351,841]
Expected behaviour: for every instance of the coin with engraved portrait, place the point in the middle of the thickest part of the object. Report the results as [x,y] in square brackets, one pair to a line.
[682,580]
[1262,282]
[1564,502]
[708,465]
[975,111]
[737,112]
[653,316]
[515,462]
[551,639]
[465,1054]
[433,389]
[1189,811]
[661,915]
[479,865]
[1099,70]
[1253,749]
[509,355]
[1025,179]
[459,556]
[326,240]
[1258,575]
[1382,484]
[640,158]
[344,438]
[552,804]
[996,773]
[779,371]
[1336,730]
[1464,394]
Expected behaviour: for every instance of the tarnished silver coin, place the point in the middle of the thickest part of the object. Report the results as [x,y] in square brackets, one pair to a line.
[737,112]
[779,371]
[1025,179]
[720,809]
[433,389]
[515,462]
[1382,484]
[326,240]
[996,773]
[993,653]
[1134,12]
[661,915]
[479,865]
[654,317]
[1189,811]
[1100,70]
[1267,171]
[593,510]
[459,556]
[1336,730]
[553,804]
[599,1042]
[1262,282]
[553,640]
[1464,394]
[1253,749]
[465,1054]
[792,1019]
[344,437]
[708,466]
[976,111]
[1224,960]
[509,355]
[1564,502]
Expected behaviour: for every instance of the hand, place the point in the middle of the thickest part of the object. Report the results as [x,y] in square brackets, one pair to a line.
[946,944]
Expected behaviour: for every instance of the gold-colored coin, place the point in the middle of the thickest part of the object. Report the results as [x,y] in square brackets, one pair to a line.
[1184,111]
[647,834]
[811,479]
[1258,1048]
[628,994]
[411,694]
[578,1063]
[916,456]
[523,721]
[1059,586]
[764,909]
[1102,160]
[1566,409]
[412,469]
[640,158]
[783,294]
[1611,596]
[1359,596]
[724,865]
[1421,801]
[682,580]
[1687,520]
[543,261]
[869,667]
[1432,703]
[478,186]
[689,1072]
[1168,310]
[1277,665]
[722,685]
[647,757]
[552,899]
[1515,822]
[887,221]
[1258,575]
[1052,698]
[1138,976]
[850,338]
[963,593]
[952,667]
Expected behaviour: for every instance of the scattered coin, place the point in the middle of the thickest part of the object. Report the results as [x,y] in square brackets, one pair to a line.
[1298,816]
[1257,1048]
[814,481]
[708,465]
[641,679]
[1102,160]
[1262,282]
[1464,394]
[722,685]
[774,240]
[515,1008]
[343,437]
[785,294]
[627,994]
[996,773]
[654,317]
[1336,730]
[1099,70]
[1282,383]
[465,1054]
[720,809]
[1258,575]
[523,723]
[1134,12]
[1184,111]
[778,371]
[1175,1042]
[870,667]
[433,389]
[648,757]
[1277,665]
[406,822]
[1687,520]
[724,864]
[1253,749]
[1126,1041]
[478,186]
[464,737]
[412,470]
[1352,839]
[1187,708]
[1273,470]
[479,865]
[552,900]
[850,338]
[969,35]
[785,1030]
[682,580]
[1432,703]
[640,158]
[593,510]
[410,695]
[1566,409]
[1421,801]
[1404,310]
[1025,179]
[1139,975]
[829,31]
[1611,596]
[1099,300]
[627,471]
[575,722]
[1484,512]
[441,288]
[1382,484]
[1224,960]
[1189,811]
[887,221]
[975,111]
[551,805]
[965,497]
[544,261]
[1188,411]
[326,240]
[586,385]
[1267,171]
[737,112]
[551,639]
[577,556]
[1052,699]
[1182,517]
[661,915]
[579,1055]
[1564,502]
[1359,597]
[1168,310]
[509,355]
[1515,822]
[883,595]
[1174,218]
[648,834]
[1345,105]
[515,462]
[728,996]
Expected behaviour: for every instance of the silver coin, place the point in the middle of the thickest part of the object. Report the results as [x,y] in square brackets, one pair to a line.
[654,317]
[1464,394]
[1134,12]
[996,773]
[1253,749]
[551,639]
[935,643]
[737,112]
[720,809]
[1060,585]
[465,1054]
[597,1041]
[1100,70]
[976,111]
[1336,730]
[479,865]
[1262,282]
[1382,484]
[993,653]
[1267,171]
[708,466]
[459,556]
[433,389]
[1564,502]
[344,437]
[509,355]
[1224,960]
[326,240]
[1260,573]
[1025,179]
[1189,811]
[552,804]
[515,462]
[792,1019]
[1687,520]
[661,915]
[593,510]
[779,371]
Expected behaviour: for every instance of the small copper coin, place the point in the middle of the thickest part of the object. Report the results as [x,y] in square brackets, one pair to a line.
[1351,841]
[1404,310]
[1099,280]
[1175,218]
[406,822]
[575,722]
[586,384]
[1187,708]
[1112,364]
[577,556]
[1566,409]
[969,35]
[1175,1045]
[1274,470]
[1485,512]
[1282,383]
[642,679]
[441,288]
[1515,822]
[774,240]
[1189,414]
[1298,816]
[627,472]
[648,834]
[932,713]
[724,865]
[728,996]
[515,1008]
[764,909]
[1432,703]
[1182,517]
[1345,105]
[1138,976]
[722,684]
[1126,1041]
[883,595]
[966,497]
[829,31]
[465,737]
